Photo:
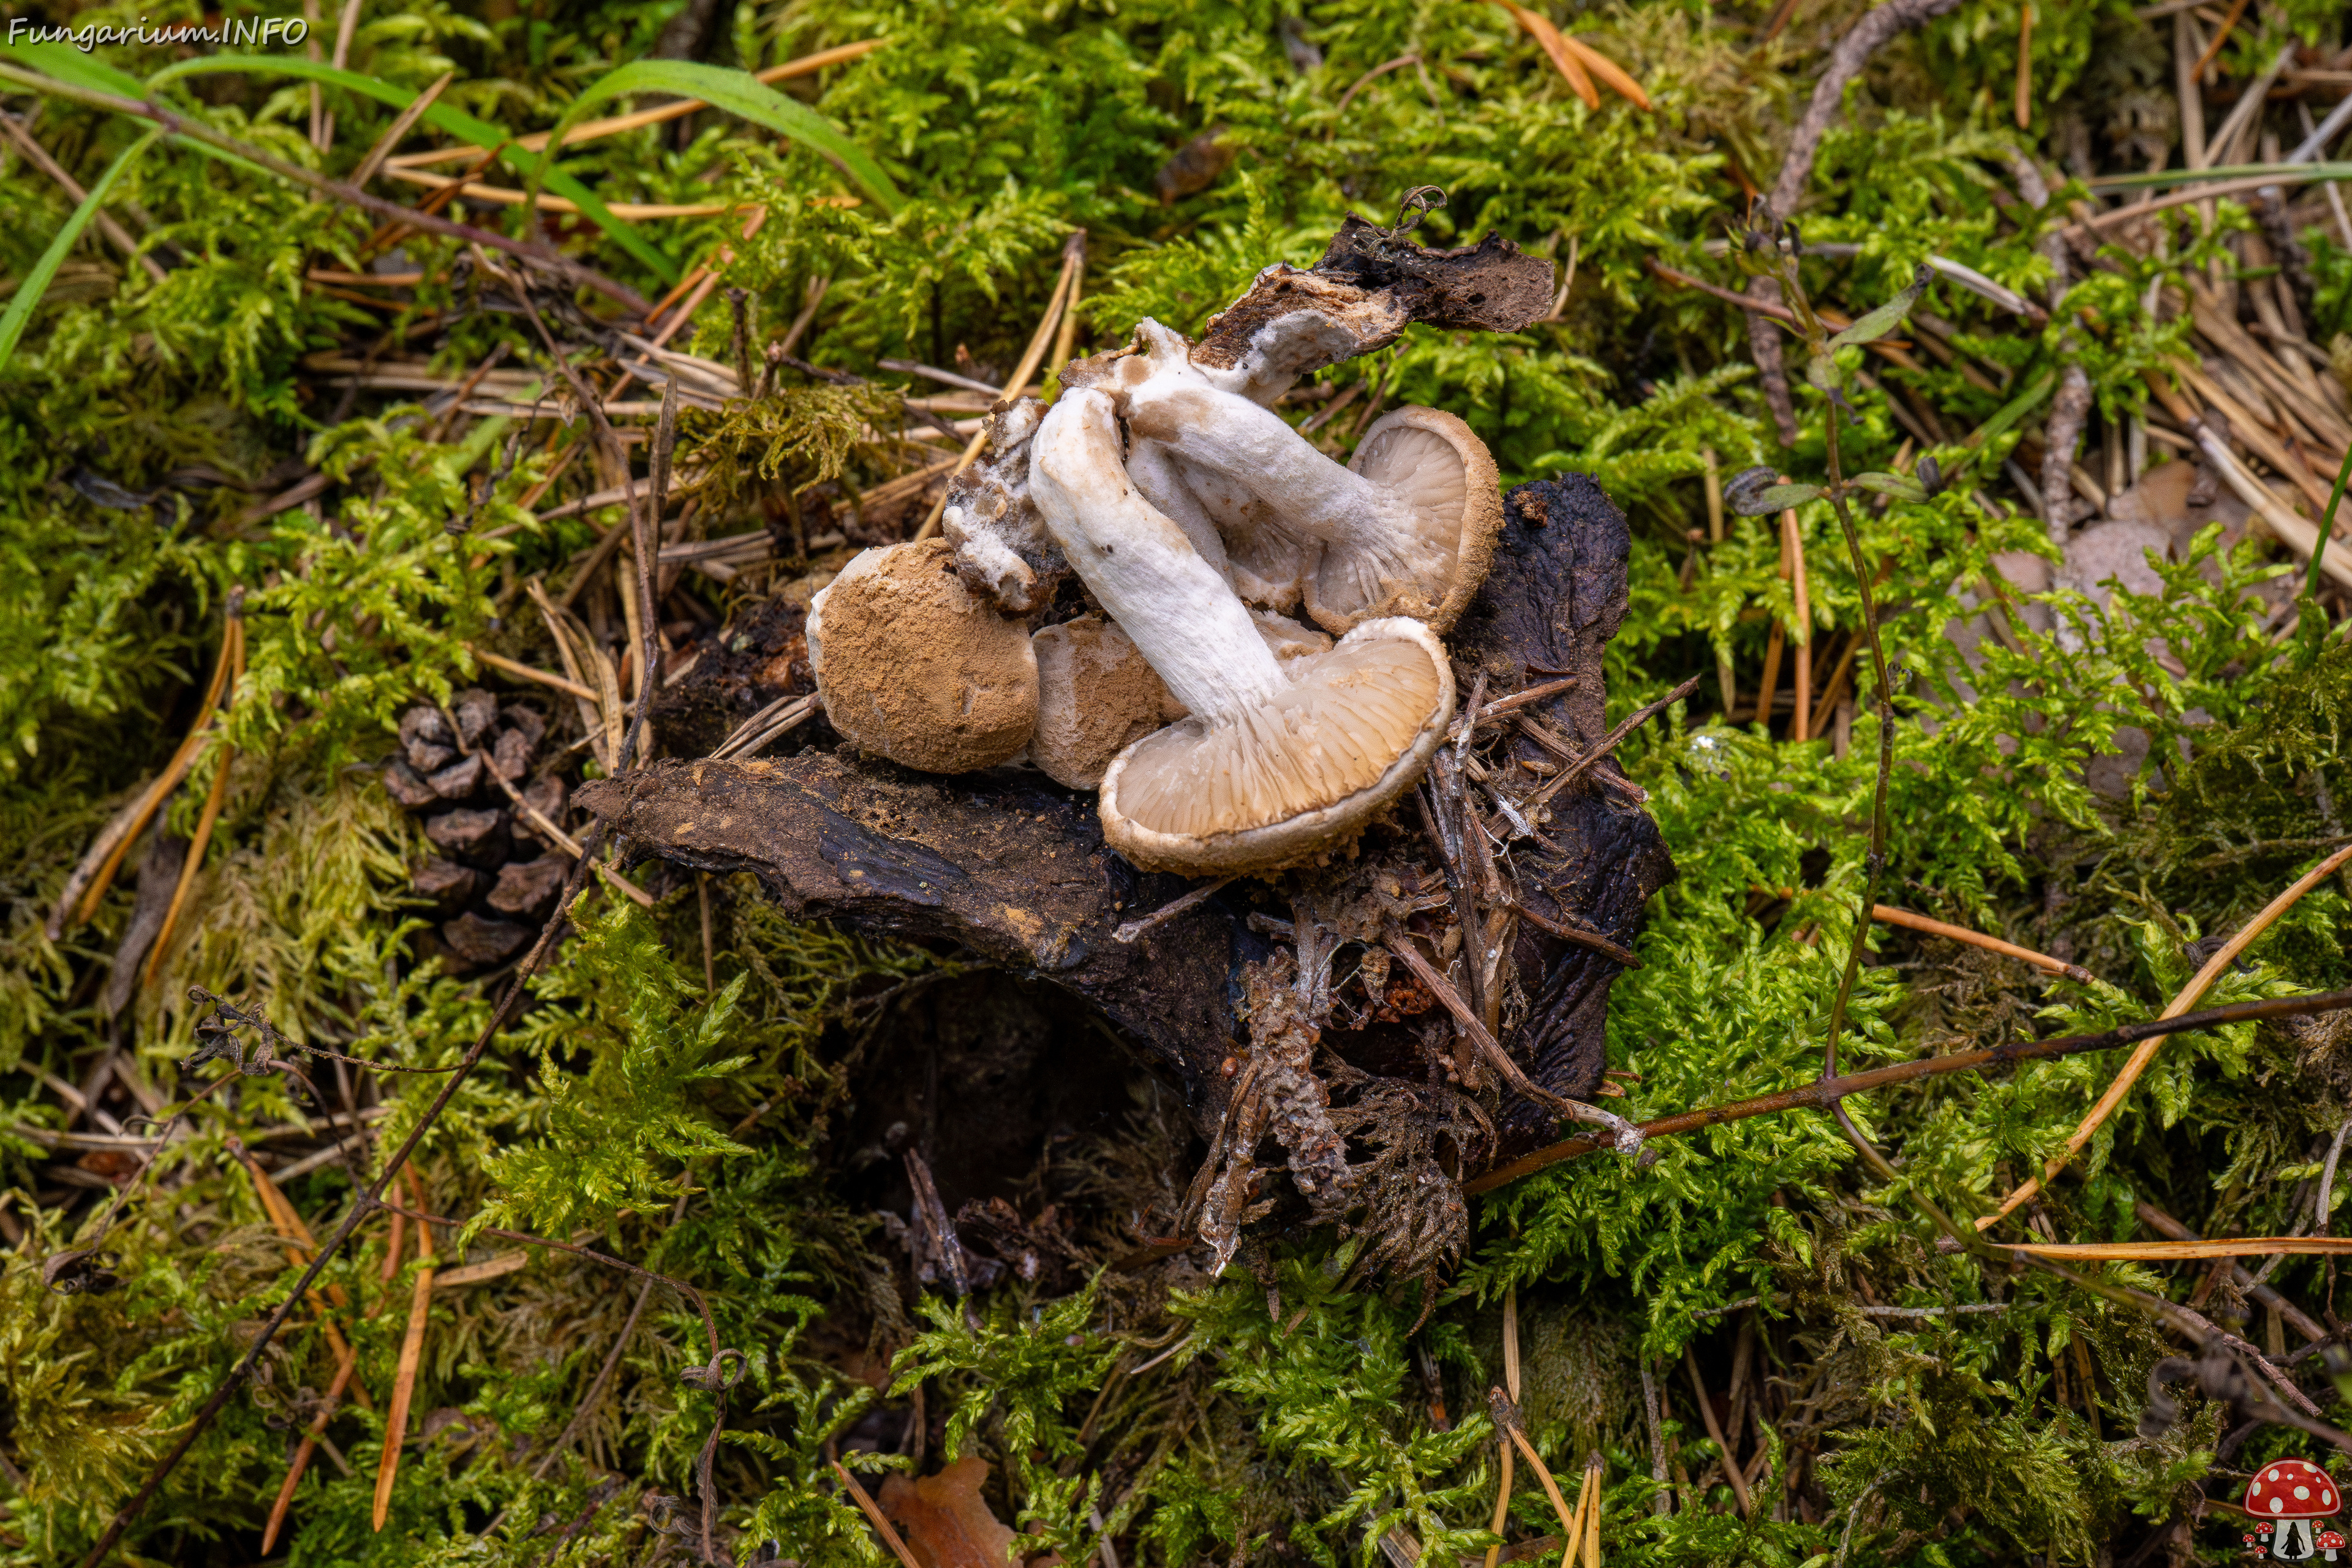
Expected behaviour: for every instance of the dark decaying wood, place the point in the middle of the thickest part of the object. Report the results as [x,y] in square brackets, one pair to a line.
[1013,868]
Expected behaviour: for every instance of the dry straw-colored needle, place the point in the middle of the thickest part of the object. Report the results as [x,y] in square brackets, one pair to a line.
[874,1515]
[403,1385]
[2145,1052]
[1568,1523]
[1074,261]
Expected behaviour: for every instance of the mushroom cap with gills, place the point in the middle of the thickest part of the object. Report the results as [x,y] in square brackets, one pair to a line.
[1447,478]
[1097,694]
[913,665]
[2292,1488]
[1278,781]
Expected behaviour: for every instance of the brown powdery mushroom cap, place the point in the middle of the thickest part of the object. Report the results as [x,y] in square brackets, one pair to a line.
[912,664]
[1097,694]
[1270,783]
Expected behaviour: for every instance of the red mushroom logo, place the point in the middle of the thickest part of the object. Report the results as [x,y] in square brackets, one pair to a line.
[2286,1499]
[2331,1542]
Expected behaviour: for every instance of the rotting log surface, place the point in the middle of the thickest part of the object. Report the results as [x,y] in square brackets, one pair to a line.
[1014,869]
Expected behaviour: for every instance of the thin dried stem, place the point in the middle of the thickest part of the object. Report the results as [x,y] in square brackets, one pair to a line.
[2190,994]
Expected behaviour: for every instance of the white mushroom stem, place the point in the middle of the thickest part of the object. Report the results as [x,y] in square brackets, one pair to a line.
[1188,623]
[1177,405]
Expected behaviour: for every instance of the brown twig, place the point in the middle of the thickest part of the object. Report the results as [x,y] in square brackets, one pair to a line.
[1867,35]
[1822,1093]
[1592,939]
[1169,911]
[1625,1137]
[1715,1431]
[1608,743]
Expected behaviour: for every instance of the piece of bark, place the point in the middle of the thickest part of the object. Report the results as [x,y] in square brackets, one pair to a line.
[525,886]
[459,779]
[449,885]
[402,782]
[1014,869]
[478,941]
[1549,609]
[477,838]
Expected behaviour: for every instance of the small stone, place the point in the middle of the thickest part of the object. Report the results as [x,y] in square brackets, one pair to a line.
[2118,550]
[478,941]
[446,883]
[459,779]
[477,838]
[525,886]
[510,755]
[475,710]
[400,781]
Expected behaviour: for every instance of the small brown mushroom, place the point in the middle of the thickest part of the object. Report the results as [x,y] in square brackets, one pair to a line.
[912,666]
[1097,694]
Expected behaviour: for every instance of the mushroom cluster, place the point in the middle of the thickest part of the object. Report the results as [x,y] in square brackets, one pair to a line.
[1224,735]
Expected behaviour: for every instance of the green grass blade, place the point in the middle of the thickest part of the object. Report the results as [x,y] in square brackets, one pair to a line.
[442,117]
[739,93]
[75,68]
[37,282]
[70,65]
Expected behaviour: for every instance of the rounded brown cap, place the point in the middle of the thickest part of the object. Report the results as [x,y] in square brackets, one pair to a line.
[1437,466]
[1291,777]
[1097,695]
[912,664]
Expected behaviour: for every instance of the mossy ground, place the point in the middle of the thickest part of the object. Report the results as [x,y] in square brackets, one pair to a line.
[1289,1418]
